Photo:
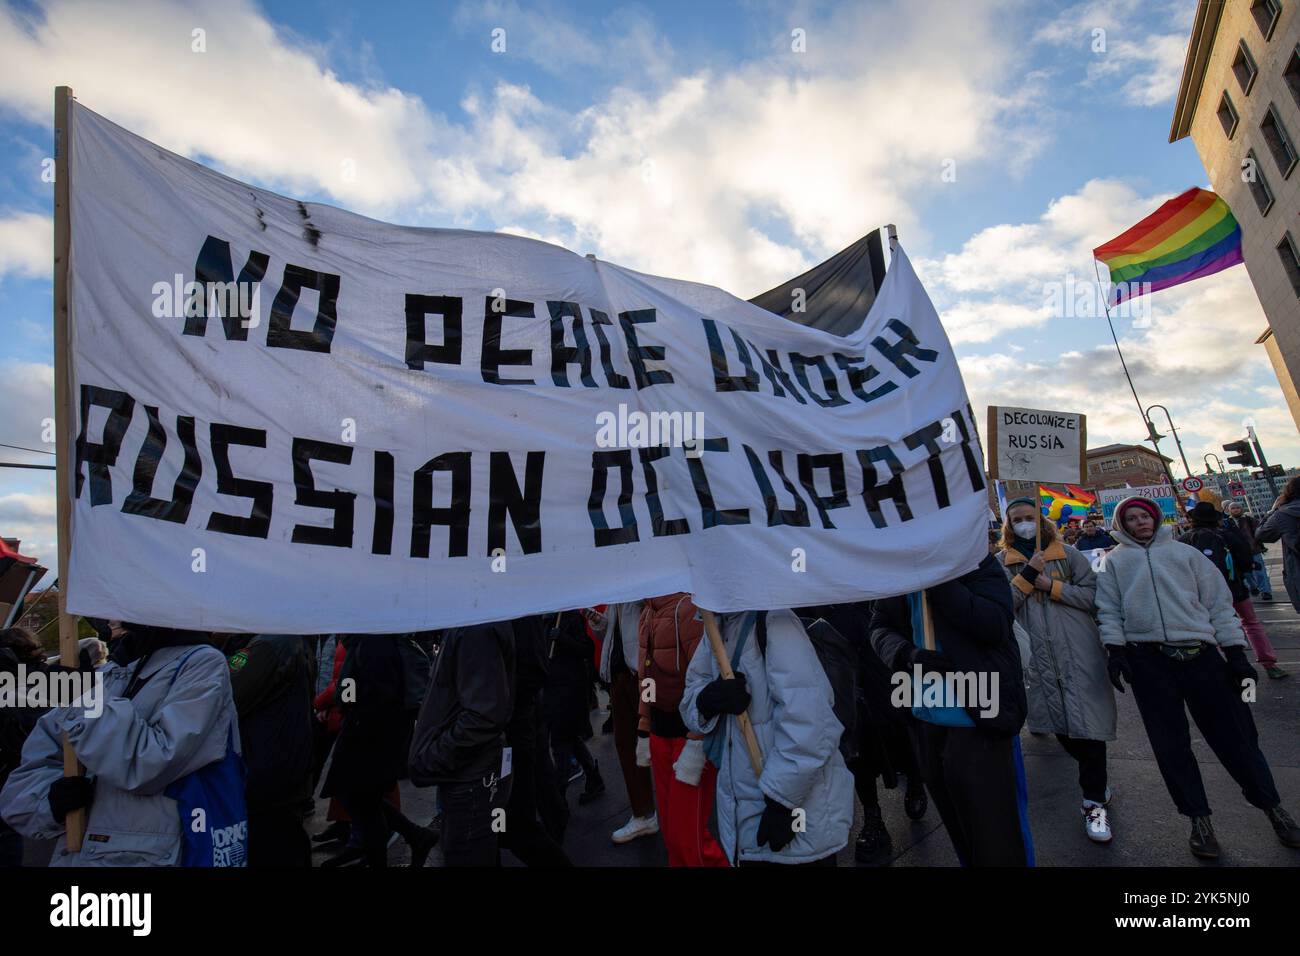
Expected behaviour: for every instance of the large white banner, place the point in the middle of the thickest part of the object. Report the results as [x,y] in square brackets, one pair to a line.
[361,427]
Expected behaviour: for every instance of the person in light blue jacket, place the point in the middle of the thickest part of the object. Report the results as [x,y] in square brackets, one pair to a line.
[167,711]
[800,810]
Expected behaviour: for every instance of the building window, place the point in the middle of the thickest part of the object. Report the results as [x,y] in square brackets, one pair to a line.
[1266,13]
[1279,143]
[1253,176]
[1292,74]
[1286,251]
[1227,116]
[1243,67]
[1127,462]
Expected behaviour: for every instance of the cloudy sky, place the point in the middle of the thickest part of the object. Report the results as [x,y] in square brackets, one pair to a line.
[734,143]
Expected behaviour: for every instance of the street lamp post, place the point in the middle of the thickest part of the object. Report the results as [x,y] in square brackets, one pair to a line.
[1173,431]
[1209,469]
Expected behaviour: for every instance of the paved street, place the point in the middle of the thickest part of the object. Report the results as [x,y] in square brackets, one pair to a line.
[1148,831]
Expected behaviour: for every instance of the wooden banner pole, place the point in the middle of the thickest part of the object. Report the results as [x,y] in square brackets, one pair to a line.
[724,668]
[64,459]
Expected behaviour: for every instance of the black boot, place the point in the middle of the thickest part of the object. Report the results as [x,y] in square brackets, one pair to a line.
[1202,840]
[422,844]
[1287,832]
[873,840]
[594,788]
[336,832]
[915,802]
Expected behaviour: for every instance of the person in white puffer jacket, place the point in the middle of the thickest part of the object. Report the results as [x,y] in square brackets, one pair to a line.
[1170,631]
[791,706]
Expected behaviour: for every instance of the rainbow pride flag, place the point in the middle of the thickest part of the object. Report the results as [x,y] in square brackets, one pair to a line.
[1054,501]
[1190,236]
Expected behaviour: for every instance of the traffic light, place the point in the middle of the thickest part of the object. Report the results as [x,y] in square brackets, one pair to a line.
[1240,453]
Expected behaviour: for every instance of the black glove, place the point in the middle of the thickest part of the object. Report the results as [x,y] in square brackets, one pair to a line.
[70,793]
[1118,667]
[930,660]
[1239,669]
[723,696]
[776,826]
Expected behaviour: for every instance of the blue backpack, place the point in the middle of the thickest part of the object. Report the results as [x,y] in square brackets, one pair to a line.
[212,798]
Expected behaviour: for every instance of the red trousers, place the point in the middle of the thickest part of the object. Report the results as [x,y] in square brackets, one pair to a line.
[684,810]
[1255,633]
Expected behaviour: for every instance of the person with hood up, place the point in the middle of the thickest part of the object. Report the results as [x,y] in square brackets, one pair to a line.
[459,743]
[168,711]
[800,810]
[1230,552]
[1283,524]
[272,678]
[670,631]
[1170,632]
[968,751]
[1054,592]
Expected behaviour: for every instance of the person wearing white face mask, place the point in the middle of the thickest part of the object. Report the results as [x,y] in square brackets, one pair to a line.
[1054,589]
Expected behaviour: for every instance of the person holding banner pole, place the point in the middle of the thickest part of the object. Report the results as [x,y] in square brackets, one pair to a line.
[784,793]
[1054,591]
[968,750]
[166,711]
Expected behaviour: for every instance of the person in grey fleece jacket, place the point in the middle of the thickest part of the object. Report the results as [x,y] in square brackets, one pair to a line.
[1170,631]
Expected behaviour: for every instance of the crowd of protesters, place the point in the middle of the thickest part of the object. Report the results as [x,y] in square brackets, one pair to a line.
[744,746]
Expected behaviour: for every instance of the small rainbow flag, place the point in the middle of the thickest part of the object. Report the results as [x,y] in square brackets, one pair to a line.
[1190,236]
[1074,496]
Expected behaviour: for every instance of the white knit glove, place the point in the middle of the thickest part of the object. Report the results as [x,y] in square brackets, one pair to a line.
[690,765]
[643,751]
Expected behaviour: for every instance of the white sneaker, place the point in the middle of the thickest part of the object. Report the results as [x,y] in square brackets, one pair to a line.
[636,827]
[1096,823]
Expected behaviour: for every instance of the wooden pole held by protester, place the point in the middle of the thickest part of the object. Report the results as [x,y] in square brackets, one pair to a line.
[927,623]
[68,651]
[724,667]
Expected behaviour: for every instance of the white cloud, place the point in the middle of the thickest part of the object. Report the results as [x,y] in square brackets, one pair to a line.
[259,106]
[1137,44]
[735,175]
[26,245]
[28,402]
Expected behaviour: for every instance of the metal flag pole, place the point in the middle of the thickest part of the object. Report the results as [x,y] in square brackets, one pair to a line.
[1151,431]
